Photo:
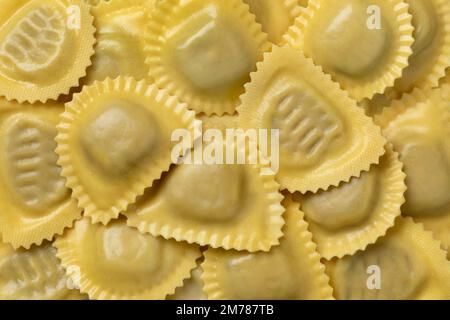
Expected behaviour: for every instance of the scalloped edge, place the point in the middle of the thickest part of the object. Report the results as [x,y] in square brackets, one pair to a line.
[104,8]
[194,280]
[342,98]
[406,223]
[293,9]
[36,235]
[146,177]
[229,240]
[400,106]
[344,244]
[65,85]
[436,97]
[439,227]
[218,122]
[295,219]
[376,105]
[385,76]
[35,231]
[36,251]
[68,257]
[442,57]
[440,251]
[158,71]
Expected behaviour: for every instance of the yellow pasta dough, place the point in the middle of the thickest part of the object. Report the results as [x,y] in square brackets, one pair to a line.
[203,51]
[41,38]
[34,274]
[291,270]
[114,140]
[419,128]
[363,44]
[406,264]
[431,53]
[192,288]
[431,49]
[324,137]
[34,202]
[220,205]
[118,262]
[120,41]
[225,149]
[275,16]
[445,90]
[221,123]
[347,218]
